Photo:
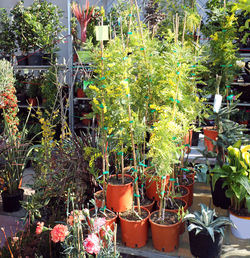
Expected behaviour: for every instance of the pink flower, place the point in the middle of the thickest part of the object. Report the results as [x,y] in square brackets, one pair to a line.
[39,228]
[98,223]
[58,233]
[92,244]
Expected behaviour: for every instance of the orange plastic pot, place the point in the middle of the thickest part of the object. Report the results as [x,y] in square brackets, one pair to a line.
[109,222]
[185,206]
[134,233]
[182,225]
[98,202]
[32,101]
[186,196]
[211,133]
[80,93]
[119,198]
[150,206]
[191,192]
[85,121]
[165,237]
[153,186]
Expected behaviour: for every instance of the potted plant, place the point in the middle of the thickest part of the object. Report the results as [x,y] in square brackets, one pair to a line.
[206,232]
[24,34]
[14,147]
[235,173]
[34,91]
[49,88]
[84,16]
[7,36]
[44,21]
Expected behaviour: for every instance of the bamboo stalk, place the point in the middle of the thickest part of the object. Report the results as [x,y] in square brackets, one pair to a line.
[135,162]
[177,27]
[184,28]
[115,236]
[110,27]
[122,161]
[163,185]
[102,123]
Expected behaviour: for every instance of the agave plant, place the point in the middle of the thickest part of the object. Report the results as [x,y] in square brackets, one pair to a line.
[206,220]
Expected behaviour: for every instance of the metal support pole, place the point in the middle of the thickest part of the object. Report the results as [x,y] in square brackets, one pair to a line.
[70,70]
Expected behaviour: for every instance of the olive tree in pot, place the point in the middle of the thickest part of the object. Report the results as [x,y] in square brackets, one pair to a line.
[235,173]
[206,232]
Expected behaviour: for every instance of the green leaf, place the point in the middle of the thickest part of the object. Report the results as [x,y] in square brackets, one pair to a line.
[211,232]
[244,181]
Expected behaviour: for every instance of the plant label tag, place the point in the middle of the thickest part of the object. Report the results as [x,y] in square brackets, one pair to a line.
[102,33]
[217,103]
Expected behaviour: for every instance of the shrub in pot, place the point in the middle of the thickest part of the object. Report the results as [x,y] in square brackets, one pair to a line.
[236,176]
[44,20]
[206,232]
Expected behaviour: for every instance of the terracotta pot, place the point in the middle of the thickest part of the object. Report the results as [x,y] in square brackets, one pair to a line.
[184,197]
[98,202]
[191,192]
[80,93]
[119,198]
[32,101]
[165,237]
[188,141]
[153,186]
[134,233]
[211,133]
[150,206]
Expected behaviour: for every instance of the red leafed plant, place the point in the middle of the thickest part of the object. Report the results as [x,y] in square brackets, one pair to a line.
[84,17]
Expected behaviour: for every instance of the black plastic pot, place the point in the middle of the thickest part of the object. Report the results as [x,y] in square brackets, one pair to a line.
[219,195]
[195,138]
[35,58]
[11,202]
[202,245]
[22,60]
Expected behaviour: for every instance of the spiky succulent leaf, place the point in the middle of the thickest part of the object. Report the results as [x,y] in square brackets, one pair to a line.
[211,232]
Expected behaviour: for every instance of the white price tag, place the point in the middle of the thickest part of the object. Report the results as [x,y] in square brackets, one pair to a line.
[217,102]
